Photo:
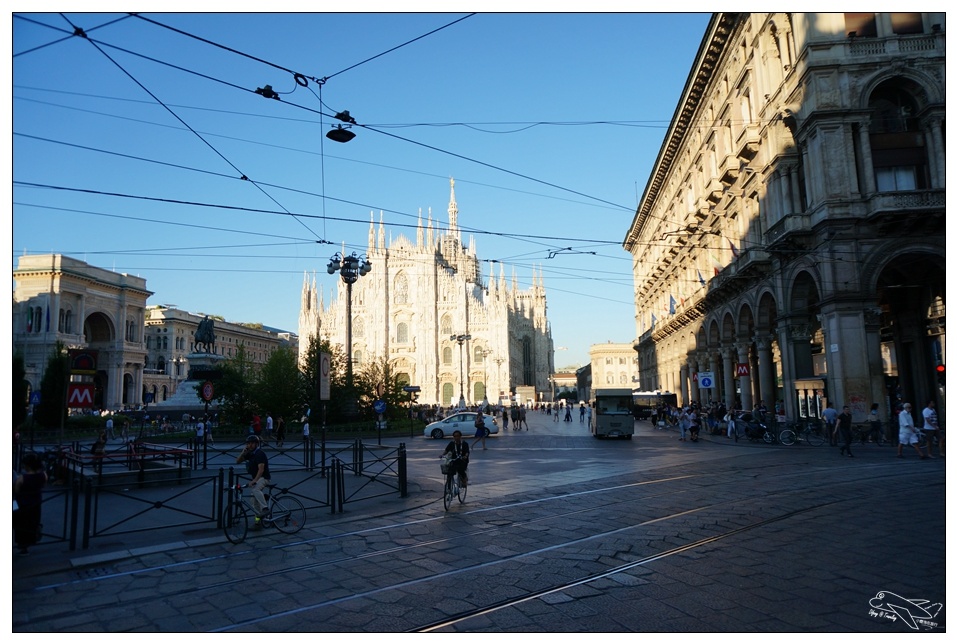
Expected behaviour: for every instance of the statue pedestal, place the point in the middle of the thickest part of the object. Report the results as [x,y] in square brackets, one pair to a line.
[202,367]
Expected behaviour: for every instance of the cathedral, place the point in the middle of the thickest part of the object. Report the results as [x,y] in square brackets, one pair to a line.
[426,307]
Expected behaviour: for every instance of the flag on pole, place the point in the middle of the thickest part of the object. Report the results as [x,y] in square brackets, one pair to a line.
[700,279]
[734,251]
[716,264]
[653,320]
[671,305]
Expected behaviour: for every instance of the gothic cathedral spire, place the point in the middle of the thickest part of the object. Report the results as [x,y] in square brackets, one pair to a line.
[453,211]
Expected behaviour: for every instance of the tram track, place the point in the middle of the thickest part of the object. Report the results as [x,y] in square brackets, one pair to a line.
[606,508]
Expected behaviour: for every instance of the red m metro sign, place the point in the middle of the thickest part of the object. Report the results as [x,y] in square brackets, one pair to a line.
[79,395]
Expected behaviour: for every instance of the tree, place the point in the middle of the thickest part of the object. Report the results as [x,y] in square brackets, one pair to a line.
[53,386]
[278,388]
[20,388]
[235,390]
[367,383]
[309,395]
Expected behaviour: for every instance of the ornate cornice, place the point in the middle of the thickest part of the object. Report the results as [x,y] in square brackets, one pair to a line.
[706,63]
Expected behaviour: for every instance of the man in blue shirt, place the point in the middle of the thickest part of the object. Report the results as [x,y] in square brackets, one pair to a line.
[830,422]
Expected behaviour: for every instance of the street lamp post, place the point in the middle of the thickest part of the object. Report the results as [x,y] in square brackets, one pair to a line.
[461,340]
[498,361]
[350,269]
[485,355]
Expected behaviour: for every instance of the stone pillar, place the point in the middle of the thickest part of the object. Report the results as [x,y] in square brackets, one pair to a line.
[935,153]
[683,376]
[766,383]
[867,159]
[696,363]
[727,361]
[850,369]
[747,401]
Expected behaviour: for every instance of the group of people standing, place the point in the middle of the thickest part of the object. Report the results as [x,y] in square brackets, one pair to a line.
[839,426]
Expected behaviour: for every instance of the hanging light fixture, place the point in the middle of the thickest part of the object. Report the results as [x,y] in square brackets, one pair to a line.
[340,134]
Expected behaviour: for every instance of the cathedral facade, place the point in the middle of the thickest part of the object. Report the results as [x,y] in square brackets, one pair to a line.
[420,299]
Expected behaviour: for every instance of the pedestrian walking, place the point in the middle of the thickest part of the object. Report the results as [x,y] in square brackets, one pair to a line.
[479,429]
[588,414]
[581,413]
[522,417]
[908,433]
[109,428]
[844,427]
[932,429]
[99,450]
[280,431]
[27,500]
[504,419]
[830,423]
[208,429]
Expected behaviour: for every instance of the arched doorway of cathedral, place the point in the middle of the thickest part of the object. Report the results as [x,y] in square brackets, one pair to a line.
[911,295]
[478,392]
[447,389]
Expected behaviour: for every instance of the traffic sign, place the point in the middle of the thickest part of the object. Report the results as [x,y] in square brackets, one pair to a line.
[35,398]
[742,369]
[207,391]
[379,406]
[325,365]
[706,380]
[412,389]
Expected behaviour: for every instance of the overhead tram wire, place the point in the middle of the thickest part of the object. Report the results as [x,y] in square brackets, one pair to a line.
[185,124]
[318,81]
[367,127]
[520,237]
[65,38]
[297,150]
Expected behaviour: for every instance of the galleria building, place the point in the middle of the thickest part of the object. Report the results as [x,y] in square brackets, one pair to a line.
[417,297]
[790,240]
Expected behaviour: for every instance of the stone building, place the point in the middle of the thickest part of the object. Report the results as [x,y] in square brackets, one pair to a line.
[613,366]
[421,293]
[790,238]
[169,340]
[58,298]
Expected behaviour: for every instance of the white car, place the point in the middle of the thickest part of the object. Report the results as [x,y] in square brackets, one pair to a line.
[464,421]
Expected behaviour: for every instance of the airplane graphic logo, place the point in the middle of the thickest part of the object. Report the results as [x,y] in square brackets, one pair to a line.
[916,613]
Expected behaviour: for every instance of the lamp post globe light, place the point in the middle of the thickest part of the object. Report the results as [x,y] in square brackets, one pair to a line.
[350,269]
[461,339]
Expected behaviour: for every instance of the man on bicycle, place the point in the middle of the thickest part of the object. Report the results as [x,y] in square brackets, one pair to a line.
[459,450]
[257,466]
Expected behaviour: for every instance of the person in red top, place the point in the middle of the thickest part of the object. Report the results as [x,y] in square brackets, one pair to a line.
[257,426]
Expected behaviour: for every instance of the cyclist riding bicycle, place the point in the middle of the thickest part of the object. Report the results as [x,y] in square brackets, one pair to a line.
[257,466]
[459,450]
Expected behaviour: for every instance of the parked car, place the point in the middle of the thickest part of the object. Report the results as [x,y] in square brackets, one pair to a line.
[464,421]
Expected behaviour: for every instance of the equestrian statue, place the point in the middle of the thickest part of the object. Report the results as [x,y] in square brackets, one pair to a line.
[204,336]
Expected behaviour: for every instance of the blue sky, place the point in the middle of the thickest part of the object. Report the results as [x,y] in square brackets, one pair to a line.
[549,123]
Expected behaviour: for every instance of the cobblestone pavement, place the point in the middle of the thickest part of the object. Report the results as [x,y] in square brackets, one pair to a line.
[559,533]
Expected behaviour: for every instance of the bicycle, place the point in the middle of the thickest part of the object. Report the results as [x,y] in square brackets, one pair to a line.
[453,487]
[283,511]
[867,433]
[796,432]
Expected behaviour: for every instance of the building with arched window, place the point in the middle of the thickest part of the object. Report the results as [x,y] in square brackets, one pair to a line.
[420,294]
[790,239]
[60,299]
